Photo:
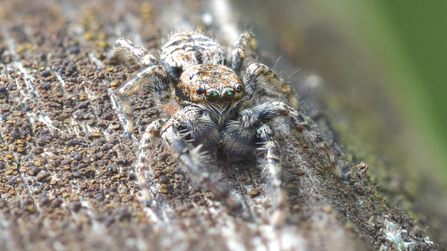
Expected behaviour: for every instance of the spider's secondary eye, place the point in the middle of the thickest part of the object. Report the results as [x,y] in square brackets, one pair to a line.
[238,88]
[200,90]
[228,95]
[212,95]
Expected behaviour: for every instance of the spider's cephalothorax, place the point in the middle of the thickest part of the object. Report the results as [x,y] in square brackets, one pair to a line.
[211,103]
[213,87]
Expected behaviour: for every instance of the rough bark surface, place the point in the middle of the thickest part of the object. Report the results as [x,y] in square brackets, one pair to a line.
[67,178]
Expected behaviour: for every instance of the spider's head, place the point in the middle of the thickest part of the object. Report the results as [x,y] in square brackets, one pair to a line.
[212,86]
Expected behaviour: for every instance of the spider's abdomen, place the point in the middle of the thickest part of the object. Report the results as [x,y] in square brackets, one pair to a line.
[189,48]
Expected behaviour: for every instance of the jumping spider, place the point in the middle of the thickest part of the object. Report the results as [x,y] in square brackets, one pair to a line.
[211,103]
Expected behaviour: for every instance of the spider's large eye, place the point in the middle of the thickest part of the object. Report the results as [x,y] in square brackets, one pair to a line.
[228,95]
[212,95]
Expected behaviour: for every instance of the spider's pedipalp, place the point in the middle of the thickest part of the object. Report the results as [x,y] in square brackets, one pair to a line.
[238,53]
[197,127]
[193,165]
[126,48]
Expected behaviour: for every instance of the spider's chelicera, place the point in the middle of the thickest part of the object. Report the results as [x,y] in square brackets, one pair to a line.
[210,103]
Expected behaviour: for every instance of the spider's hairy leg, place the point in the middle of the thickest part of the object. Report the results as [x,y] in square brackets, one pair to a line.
[243,138]
[155,73]
[260,73]
[151,133]
[310,135]
[272,169]
[128,49]
[268,111]
[238,53]
[192,161]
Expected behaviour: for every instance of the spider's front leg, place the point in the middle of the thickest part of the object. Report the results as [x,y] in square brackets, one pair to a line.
[128,49]
[271,167]
[151,134]
[155,75]
[238,53]
[242,139]
[187,127]
[268,111]
[270,164]
[260,76]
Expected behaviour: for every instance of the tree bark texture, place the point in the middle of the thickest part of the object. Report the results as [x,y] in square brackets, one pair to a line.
[67,178]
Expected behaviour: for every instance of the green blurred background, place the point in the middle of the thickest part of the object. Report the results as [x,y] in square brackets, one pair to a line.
[409,38]
[419,29]
[382,64]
